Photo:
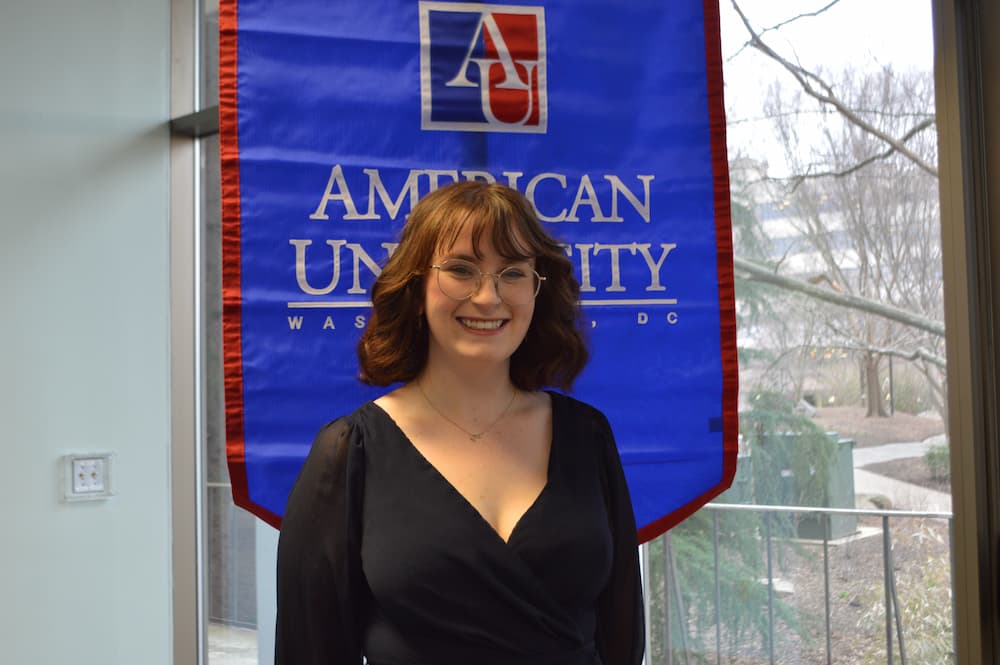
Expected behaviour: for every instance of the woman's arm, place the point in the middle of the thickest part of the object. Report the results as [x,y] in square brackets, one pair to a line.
[620,623]
[318,555]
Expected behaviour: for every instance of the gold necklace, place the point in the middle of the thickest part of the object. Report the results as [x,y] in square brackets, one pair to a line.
[473,436]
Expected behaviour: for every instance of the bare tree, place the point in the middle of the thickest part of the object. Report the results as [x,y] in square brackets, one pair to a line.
[865,217]
[815,85]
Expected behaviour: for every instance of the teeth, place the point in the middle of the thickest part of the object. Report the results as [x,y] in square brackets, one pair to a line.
[482,325]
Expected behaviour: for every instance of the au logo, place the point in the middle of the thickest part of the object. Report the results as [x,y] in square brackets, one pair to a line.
[482,67]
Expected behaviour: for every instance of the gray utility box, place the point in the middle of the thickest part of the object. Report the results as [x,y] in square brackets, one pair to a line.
[840,488]
[776,470]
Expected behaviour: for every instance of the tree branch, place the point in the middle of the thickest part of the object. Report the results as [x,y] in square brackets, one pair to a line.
[782,24]
[799,179]
[803,15]
[809,83]
[917,354]
[759,273]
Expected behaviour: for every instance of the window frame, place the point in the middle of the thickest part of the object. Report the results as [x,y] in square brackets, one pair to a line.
[966,65]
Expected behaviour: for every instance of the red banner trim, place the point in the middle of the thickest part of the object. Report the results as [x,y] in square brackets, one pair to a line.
[232,323]
[727,291]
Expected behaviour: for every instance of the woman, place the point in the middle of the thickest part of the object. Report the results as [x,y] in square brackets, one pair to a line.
[467,517]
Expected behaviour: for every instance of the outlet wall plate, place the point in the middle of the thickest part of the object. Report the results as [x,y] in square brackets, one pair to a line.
[87,476]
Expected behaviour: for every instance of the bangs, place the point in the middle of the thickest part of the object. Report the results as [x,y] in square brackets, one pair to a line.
[511,235]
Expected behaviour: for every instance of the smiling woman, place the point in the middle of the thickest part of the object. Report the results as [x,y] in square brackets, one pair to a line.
[463,221]
[490,324]
[422,527]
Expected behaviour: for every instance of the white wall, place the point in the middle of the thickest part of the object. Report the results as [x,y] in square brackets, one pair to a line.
[84,329]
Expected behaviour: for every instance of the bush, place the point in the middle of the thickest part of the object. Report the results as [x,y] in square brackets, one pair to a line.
[925,604]
[938,460]
[792,456]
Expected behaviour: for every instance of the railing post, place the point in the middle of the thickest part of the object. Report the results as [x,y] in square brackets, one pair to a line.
[668,638]
[826,585]
[646,587]
[895,604]
[718,590]
[888,594]
[682,615]
[951,563]
[770,591]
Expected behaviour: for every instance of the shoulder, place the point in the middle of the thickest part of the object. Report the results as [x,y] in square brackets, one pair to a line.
[354,424]
[578,411]
[334,463]
[585,425]
[341,439]
[341,431]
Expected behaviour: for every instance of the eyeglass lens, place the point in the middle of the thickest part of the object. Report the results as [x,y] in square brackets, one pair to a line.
[459,279]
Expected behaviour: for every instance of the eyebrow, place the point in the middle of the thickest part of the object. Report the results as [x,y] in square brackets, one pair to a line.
[472,259]
[465,257]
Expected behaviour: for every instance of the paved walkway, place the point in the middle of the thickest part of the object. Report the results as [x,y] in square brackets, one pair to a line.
[902,496]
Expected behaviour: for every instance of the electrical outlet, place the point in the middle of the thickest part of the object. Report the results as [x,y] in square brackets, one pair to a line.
[87,476]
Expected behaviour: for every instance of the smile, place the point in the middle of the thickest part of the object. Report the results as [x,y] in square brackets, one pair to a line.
[481,324]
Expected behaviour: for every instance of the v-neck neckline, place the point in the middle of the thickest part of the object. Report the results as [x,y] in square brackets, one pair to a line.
[462,499]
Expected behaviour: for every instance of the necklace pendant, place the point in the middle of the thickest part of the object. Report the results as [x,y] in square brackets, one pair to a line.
[473,436]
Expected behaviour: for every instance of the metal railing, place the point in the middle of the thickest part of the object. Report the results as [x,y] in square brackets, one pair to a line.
[672,594]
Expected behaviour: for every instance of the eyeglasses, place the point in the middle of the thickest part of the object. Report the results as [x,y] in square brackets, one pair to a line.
[460,280]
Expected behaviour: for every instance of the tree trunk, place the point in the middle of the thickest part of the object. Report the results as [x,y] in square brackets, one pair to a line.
[873,388]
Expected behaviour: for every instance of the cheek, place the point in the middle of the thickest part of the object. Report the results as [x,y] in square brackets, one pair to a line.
[435,302]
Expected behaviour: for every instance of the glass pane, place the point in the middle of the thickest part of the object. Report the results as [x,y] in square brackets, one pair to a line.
[839,305]
[208,43]
[214,417]
[230,532]
[842,404]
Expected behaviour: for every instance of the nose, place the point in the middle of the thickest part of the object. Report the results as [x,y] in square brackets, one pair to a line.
[488,290]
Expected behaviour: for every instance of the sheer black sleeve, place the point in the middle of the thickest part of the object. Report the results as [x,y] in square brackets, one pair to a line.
[620,624]
[319,555]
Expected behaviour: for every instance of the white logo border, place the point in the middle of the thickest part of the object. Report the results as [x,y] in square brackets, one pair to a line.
[426,6]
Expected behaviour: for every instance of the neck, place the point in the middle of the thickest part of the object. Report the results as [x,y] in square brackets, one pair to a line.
[477,395]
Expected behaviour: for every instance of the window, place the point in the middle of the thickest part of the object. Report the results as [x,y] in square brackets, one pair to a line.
[837,233]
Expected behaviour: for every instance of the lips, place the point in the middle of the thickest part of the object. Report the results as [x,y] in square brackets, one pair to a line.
[485,325]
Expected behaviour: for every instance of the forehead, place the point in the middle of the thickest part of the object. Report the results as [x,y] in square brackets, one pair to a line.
[485,238]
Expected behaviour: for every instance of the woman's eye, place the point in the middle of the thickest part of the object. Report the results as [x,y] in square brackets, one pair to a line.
[513,274]
[460,272]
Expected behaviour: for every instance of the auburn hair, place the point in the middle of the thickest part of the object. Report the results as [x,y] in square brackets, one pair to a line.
[394,345]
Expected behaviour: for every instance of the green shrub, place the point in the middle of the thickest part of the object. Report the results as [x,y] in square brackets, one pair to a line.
[791,454]
[938,460]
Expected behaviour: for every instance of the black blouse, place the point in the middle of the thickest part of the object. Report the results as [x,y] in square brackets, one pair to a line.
[380,555]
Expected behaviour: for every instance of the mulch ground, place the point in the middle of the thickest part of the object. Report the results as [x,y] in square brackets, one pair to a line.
[857,596]
[851,423]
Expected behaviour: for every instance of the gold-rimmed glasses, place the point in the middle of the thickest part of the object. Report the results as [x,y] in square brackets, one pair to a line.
[460,280]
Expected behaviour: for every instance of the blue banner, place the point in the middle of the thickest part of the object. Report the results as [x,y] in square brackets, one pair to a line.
[336,118]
